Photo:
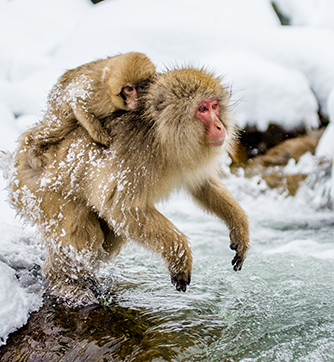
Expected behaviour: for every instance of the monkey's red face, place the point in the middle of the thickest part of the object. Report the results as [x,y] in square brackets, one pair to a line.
[208,113]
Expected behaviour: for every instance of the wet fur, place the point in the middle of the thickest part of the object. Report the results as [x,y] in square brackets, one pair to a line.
[88,93]
[88,200]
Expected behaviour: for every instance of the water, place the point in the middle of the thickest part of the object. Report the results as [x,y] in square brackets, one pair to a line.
[280,307]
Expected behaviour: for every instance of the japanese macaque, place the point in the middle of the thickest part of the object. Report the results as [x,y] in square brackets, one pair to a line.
[93,91]
[88,200]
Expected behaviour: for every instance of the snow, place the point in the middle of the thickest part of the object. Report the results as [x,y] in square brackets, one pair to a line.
[308,12]
[261,86]
[326,145]
[277,74]
[19,293]
[13,300]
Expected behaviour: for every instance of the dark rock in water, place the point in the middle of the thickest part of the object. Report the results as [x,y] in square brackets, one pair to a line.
[104,333]
[61,333]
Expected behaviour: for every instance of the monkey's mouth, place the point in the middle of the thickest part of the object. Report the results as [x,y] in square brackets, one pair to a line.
[217,142]
[133,105]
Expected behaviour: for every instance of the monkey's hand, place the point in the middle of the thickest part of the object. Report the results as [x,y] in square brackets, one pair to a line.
[181,280]
[239,243]
[102,137]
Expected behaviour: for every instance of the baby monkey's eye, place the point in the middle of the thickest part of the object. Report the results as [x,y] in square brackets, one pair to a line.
[214,106]
[128,89]
[202,109]
[140,88]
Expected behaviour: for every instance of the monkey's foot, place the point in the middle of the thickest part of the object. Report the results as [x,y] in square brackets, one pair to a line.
[84,292]
[181,280]
[240,248]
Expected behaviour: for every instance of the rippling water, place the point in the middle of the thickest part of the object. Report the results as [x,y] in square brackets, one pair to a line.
[280,307]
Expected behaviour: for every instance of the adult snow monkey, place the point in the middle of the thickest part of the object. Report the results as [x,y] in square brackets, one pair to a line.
[93,91]
[88,200]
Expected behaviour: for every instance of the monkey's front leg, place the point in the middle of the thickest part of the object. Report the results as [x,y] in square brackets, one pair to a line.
[214,197]
[154,231]
[92,125]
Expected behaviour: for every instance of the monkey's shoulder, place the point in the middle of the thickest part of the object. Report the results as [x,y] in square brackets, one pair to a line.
[122,120]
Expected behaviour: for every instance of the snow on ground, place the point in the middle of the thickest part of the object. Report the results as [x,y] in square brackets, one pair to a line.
[277,74]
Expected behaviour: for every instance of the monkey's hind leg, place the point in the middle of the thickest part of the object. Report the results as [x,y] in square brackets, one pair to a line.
[51,130]
[113,243]
[73,252]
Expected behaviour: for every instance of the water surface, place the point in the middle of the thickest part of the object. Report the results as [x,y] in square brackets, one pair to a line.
[280,307]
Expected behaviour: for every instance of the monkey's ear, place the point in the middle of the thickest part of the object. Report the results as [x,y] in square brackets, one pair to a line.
[105,74]
[161,102]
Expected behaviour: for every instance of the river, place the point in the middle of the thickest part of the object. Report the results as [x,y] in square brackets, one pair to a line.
[280,307]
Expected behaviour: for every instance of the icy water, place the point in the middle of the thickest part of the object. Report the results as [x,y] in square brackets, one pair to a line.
[280,307]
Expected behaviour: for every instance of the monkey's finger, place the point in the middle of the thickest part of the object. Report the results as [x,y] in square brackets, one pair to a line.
[237,262]
[181,285]
[180,281]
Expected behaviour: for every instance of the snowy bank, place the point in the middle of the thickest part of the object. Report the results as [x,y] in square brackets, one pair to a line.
[20,287]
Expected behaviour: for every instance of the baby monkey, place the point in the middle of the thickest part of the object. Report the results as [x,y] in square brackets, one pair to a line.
[91,92]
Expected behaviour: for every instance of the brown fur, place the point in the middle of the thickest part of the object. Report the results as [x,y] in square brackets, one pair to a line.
[88,200]
[88,93]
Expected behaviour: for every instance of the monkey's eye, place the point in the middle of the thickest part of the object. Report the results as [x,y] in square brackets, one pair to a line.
[140,88]
[128,89]
[202,109]
[214,106]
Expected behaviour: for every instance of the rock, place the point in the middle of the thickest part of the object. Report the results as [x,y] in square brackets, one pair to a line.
[270,165]
[285,183]
[257,143]
[61,333]
[291,148]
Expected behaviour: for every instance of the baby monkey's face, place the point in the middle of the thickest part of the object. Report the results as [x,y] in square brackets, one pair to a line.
[131,94]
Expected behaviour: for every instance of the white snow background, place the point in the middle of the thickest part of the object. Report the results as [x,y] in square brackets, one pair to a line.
[277,74]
